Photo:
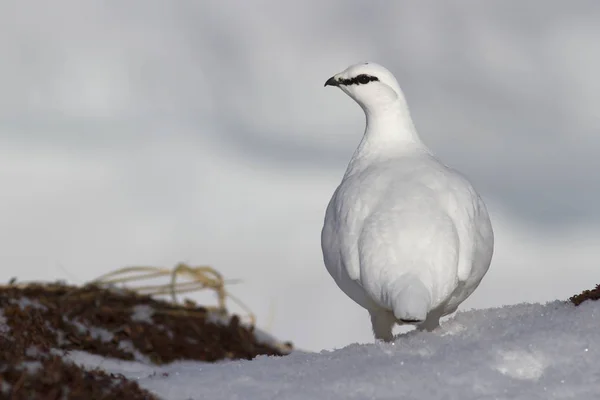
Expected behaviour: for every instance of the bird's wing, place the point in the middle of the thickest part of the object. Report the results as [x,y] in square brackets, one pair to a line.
[467,210]
[338,245]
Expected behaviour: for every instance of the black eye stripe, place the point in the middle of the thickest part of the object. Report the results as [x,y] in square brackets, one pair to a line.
[359,80]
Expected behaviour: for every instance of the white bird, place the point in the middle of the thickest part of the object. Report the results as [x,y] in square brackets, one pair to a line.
[404,236]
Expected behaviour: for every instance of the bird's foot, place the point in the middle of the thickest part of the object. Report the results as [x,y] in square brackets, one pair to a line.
[383,322]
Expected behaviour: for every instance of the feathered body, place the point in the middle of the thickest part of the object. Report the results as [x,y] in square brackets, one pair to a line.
[404,236]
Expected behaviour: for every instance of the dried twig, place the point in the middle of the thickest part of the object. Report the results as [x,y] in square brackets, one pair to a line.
[202,277]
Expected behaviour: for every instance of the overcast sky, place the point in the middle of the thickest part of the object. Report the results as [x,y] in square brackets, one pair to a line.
[152,132]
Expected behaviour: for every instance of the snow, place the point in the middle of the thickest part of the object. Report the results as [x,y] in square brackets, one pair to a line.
[95,332]
[4,388]
[31,366]
[4,328]
[525,351]
[25,302]
[128,346]
[142,313]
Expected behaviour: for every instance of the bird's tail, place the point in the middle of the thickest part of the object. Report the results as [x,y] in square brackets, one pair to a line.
[411,301]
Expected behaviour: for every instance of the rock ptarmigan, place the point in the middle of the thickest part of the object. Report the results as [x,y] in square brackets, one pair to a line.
[404,236]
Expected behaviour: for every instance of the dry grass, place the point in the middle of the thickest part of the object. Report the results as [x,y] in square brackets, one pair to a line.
[181,279]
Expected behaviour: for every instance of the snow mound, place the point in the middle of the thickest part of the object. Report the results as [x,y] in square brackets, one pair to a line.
[526,351]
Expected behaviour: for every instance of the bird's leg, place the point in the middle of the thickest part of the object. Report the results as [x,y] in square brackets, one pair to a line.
[431,323]
[383,321]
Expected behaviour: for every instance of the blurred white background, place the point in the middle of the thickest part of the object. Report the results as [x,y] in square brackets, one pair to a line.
[150,132]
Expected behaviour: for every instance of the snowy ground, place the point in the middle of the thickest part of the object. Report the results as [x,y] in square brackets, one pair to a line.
[525,351]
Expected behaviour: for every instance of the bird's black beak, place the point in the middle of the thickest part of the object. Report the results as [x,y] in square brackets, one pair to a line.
[332,82]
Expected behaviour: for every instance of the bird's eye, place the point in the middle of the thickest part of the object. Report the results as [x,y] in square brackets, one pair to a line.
[363,79]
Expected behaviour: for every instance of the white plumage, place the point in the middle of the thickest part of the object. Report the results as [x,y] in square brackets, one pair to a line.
[404,236]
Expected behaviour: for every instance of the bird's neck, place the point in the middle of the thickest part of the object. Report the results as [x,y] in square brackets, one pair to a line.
[389,130]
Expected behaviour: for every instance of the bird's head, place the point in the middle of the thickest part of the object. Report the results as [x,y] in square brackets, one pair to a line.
[369,84]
